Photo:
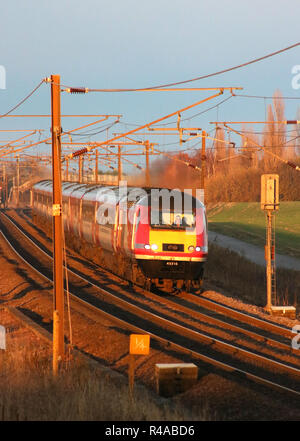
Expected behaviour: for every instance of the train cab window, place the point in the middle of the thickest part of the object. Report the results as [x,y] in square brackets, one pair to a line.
[172,220]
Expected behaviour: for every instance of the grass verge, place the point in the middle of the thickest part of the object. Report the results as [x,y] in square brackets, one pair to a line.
[246,280]
[246,221]
[29,392]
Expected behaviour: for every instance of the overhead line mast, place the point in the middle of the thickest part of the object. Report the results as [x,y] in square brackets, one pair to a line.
[42,141]
[58,294]
[177,112]
[260,147]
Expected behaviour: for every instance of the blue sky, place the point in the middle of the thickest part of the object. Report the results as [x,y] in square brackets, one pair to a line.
[130,43]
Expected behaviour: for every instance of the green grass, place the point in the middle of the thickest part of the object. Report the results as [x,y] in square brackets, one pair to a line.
[246,221]
[81,392]
[235,275]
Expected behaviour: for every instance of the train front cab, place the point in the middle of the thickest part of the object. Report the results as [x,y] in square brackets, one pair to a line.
[171,246]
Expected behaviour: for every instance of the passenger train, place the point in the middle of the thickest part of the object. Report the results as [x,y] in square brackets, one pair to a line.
[151,237]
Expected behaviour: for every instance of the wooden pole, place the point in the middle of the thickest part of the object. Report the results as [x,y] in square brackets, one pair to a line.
[4,186]
[55,342]
[58,341]
[119,165]
[147,164]
[80,169]
[18,180]
[96,167]
[67,169]
[203,160]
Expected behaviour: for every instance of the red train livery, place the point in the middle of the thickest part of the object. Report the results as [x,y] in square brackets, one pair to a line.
[152,237]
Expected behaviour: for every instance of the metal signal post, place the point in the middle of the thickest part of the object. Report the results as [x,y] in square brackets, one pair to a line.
[58,315]
[270,203]
[270,260]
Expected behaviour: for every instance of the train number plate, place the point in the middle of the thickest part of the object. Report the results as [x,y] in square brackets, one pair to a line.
[173,265]
[173,247]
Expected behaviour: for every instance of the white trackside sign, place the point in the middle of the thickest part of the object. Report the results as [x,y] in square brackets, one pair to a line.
[2,338]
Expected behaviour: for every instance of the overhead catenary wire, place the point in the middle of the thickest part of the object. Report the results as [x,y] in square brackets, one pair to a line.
[9,144]
[177,112]
[177,83]
[48,139]
[174,158]
[287,122]
[268,97]
[23,130]
[202,77]
[277,132]
[174,83]
[289,163]
[92,133]
[203,111]
[23,100]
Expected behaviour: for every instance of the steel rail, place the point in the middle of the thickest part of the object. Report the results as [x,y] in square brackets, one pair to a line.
[231,312]
[213,320]
[191,334]
[243,317]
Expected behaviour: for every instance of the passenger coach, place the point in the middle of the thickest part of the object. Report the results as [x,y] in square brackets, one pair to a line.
[132,232]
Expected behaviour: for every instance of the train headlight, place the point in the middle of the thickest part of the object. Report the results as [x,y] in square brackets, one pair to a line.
[203,249]
[154,247]
[147,247]
[191,248]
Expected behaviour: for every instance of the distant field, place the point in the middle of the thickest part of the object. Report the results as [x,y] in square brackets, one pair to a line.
[246,221]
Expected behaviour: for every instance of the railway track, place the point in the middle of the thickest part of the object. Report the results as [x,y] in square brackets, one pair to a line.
[265,327]
[212,311]
[173,323]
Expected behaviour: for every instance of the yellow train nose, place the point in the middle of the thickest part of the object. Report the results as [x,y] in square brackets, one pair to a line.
[161,237]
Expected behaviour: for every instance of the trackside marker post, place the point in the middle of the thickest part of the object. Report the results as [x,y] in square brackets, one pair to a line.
[139,345]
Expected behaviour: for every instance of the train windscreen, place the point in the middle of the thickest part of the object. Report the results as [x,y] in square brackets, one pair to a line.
[172,219]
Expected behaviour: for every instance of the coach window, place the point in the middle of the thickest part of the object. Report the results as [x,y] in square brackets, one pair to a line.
[65,206]
[138,218]
[104,219]
[88,212]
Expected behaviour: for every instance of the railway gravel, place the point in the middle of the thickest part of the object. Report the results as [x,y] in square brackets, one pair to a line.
[111,346]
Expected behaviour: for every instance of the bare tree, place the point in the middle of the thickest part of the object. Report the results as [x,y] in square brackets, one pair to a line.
[221,165]
[274,138]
